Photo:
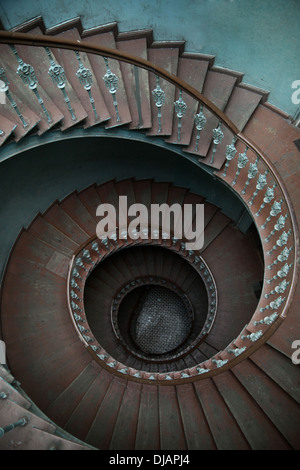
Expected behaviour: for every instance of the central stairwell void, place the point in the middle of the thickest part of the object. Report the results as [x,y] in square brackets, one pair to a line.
[138,342]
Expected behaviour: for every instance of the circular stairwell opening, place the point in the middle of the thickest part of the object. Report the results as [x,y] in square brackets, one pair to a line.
[156,319]
[147,303]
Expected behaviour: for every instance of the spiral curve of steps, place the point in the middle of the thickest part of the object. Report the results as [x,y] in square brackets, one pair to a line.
[79,385]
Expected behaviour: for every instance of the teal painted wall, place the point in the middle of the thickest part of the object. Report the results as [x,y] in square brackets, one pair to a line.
[256,37]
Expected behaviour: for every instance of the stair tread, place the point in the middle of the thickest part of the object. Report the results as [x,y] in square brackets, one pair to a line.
[138,95]
[147,433]
[71,66]
[223,427]
[279,368]
[107,39]
[7,127]
[85,412]
[64,405]
[168,59]
[73,206]
[123,437]
[98,435]
[217,88]
[172,435]
[280,404]
[256,427]
[21,436]
[239,109]
[197,432]
[22,94]
[193,72]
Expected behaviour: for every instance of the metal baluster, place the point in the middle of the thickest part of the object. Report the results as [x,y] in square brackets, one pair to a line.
[261,183]
[75,285]
[180,109]
[253,336]
[86,254]
[219,363]
[88,339]
[269,196]
[275,210]
[282,257]
[82,329]
[282,240]
[5,89]
[201,370]
[80,263]
[278,226]
[95,247]
[75,273]
[75,296]
[200,121]
[58,77]
[27,74]
[111,82]
[78,317]
[218,135]
[237,351]
[242,162]
[252,172]
[267,320]
[10,427]
[159,98]
[230,154]
[75,306]
[274,304]
[278,289]
[283,272]
[86,79]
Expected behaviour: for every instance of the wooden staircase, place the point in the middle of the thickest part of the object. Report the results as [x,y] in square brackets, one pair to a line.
[76,401]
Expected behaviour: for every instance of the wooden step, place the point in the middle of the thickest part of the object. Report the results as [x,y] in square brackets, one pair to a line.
[20,437]
[136,80]
[70,62]
[62,407]
[102,428]
[73,206]
[172,432]
[192,69]
[223,427]
[82,417]
[124,434]
[106,37]
[239,109]
[167,58]
[258,430]
[20,91]
[281,404]
[217,88]
[148,430]
[7,128]
[197,432]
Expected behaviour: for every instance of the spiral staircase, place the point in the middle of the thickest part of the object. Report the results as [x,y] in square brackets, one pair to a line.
[137,342]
